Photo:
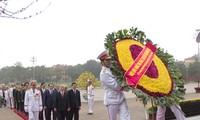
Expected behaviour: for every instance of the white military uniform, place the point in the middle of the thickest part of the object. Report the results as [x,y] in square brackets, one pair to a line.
[33,103]
[90,92]
[7,98]
[11,97]
[176,109]
[114,98]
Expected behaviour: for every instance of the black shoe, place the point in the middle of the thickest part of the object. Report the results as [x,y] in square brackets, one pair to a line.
[90,113]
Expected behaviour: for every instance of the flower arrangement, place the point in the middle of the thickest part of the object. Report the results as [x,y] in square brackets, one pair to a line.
[156,81]
[145,89]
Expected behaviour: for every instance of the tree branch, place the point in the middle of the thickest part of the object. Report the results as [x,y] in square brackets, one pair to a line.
[7,13]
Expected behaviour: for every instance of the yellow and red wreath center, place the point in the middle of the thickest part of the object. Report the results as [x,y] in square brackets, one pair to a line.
[156,81]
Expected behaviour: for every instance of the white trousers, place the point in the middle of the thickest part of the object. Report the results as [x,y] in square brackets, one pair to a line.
[7,102]
[12,102]
[33,115]
[122,109]
[160,114]
[91,105]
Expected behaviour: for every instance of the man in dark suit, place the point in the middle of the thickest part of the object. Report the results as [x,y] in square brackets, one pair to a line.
[15,97]
[42,90]
[49,101]
[62,104]
[55,92]
[18,97]
[75,102]
[26,87]
[23,96]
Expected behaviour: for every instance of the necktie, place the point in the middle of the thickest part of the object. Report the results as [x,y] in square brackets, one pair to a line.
[62,93]
[43,90]
[34,91]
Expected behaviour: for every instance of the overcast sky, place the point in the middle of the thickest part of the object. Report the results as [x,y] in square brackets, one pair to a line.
[73,31]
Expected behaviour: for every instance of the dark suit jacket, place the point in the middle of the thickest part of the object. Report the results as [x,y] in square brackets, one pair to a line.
[14,93]
[55,92]
[19,96]
[48,99]
[62,103]
[74,99]
[42,95]
[23,95]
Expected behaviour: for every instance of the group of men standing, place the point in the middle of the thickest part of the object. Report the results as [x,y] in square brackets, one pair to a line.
[53,103]
[13,96]
[41,103]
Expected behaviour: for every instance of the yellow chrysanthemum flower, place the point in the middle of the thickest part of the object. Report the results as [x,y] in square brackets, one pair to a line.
[159,86]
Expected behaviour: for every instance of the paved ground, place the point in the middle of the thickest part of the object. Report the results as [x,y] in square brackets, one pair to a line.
[7,114]
[100,112]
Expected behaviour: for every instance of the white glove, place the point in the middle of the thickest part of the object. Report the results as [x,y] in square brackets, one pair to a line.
[126,89]
[26,108]
[40,108]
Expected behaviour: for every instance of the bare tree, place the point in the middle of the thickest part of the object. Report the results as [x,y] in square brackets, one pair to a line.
[22,9]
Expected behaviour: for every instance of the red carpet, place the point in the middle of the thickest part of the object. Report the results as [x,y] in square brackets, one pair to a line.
[21,114]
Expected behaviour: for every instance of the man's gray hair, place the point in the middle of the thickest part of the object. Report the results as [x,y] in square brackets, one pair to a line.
[62,85]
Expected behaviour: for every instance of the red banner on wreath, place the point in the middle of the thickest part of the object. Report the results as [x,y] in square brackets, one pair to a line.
[140,65]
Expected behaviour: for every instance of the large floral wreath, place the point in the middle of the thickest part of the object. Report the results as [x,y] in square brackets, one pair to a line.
[166,93]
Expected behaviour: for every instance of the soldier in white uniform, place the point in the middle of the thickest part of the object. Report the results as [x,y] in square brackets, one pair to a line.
[11,96]
[33,101]
[176,109]
[7,97]
[90,93]
[113,98]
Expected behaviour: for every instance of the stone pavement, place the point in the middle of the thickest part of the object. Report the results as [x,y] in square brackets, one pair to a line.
[7,114]
[100,112]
